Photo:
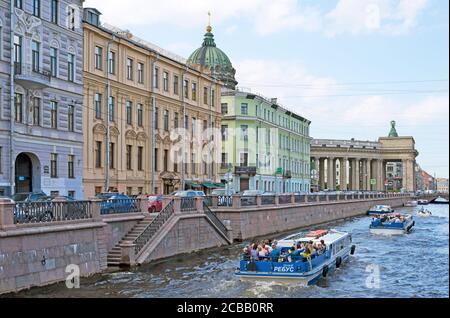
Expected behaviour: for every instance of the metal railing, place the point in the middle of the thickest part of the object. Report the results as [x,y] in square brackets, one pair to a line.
[149,232]
[118,206]
[225,200]
[28,70]
[248,201]
[47,212]
[284,199]
[312,198]
[300,198]
[215,220]
[188,205]
[268,200]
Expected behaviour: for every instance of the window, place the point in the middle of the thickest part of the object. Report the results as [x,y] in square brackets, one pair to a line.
[71,118]
[129,112]
[37,8]
[193,124]
[54,114]
[224,132]
[213,98]
[18,103]
[205,125]
[185,89]
[71,194]
[18,4]
[193,165]
[111,155]
[35,55]
[129,69]
[224,163]
[244,109]
[194,91]
[98,106]
[70,67]
[98,154]
[244,132]
[166,120]
[175,84]
[128,155]
[166,81]
[140,114]
[112,108]
[205,95]
[166,160]
[224,107]
[71,18]
[70,167]
[112,63]
[140,73]
[54,165]
[175,161]
[156,160]
[54,61]
[175,120]
[244,159]
[36,111]
[156,78]
[55,11]
[17,54]
[1,160]
[156,120]
[98,57]
[139,159]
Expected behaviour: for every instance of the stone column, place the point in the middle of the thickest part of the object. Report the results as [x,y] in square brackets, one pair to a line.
[355,174]
[383,174]
[365,184]
[411,185]
[6,214]
[343,175]
[321,173]
[331,180]
[334,172]
[380,181]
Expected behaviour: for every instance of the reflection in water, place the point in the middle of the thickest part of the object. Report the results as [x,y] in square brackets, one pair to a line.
[413,265]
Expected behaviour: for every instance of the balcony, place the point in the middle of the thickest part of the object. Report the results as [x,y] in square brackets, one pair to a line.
[25,75]
[244,170]
[287,174]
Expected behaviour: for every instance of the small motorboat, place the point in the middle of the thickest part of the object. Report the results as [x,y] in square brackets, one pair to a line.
[423,202]
[380,209]
[424,213]
[410,204]
[299,267]
[393,224]
[439,200]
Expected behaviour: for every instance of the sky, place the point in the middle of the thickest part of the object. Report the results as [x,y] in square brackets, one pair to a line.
[350,66]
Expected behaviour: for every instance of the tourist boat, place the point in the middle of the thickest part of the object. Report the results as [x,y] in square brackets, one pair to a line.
[380,209]
[303,270]
[410,204]
[424,213]
[393,224]
[439,200]
[423,202]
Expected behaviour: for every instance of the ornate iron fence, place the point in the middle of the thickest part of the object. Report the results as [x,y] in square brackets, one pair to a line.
[268,200]
[332,197]
[149,232]
[284,199]
[225,200]
[312,198]
[299,198]
[117,206]
[188,205]
[248,201]
[46,212]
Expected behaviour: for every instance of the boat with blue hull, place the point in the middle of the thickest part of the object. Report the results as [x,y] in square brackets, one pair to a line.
[395,224]
[304,270]
[380,209]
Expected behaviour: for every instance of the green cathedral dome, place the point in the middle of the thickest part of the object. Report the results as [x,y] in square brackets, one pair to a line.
[209,55]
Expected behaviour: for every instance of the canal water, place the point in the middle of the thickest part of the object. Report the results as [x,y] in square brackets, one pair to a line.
[412,265]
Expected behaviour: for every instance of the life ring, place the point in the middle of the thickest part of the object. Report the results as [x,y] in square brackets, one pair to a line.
[338,262]
[352,251]
[325,271]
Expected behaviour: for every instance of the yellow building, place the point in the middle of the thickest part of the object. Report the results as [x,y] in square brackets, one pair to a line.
[151,91]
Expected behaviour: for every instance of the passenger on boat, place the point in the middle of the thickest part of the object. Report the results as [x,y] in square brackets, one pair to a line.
[262,253]
[324,246]
[274,254]
[245,254]
[254,253]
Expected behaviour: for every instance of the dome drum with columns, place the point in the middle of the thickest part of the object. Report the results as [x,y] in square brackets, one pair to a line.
[210,56]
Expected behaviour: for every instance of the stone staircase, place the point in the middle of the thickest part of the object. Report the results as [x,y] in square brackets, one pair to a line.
[115,255]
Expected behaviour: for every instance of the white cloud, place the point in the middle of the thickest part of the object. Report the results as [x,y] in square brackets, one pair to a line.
[267,16]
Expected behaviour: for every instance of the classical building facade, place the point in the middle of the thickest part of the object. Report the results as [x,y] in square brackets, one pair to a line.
[442,185]
[41,97]
[364,165]
[264,145]
[153,95]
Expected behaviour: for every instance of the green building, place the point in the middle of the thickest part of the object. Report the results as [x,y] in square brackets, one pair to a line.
[264,145]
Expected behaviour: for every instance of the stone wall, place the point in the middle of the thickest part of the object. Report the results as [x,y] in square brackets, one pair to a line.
[264,220]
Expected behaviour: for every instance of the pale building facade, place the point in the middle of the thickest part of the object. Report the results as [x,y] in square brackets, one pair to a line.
[152,94]
[41,97]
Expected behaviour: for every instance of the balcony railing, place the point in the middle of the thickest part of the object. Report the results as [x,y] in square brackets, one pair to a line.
[28,74]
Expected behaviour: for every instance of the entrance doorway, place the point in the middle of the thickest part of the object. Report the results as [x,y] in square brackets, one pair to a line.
[24,173]
[244,184]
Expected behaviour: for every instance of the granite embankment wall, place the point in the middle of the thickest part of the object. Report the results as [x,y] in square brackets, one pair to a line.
[264,220]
